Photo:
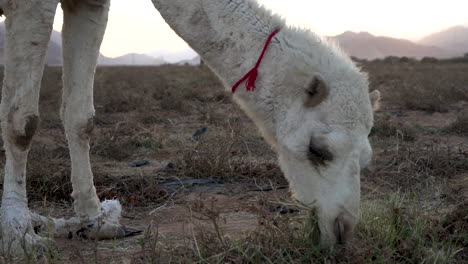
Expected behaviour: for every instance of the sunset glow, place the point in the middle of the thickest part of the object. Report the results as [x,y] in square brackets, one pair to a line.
[135,26]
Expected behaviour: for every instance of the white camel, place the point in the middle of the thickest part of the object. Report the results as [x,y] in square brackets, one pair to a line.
[311,103]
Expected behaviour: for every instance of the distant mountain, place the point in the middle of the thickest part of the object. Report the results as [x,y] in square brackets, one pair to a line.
[448,43]
[195,61]
[131,59]
[367,46]
[454,38]
[174,56]
[54,53]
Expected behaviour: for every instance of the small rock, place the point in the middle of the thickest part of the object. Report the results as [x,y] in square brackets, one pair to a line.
[169,168]
[199,132]
[139,163]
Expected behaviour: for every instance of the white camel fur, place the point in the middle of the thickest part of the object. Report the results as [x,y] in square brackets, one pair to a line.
[311,104]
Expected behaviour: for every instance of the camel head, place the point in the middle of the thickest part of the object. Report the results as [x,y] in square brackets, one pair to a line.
[322,119]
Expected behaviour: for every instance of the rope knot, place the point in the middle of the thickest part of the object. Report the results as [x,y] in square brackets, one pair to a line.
[252,75]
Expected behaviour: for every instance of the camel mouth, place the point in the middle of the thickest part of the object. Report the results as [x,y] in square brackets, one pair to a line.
[312,227]
[339,234]
[341,231]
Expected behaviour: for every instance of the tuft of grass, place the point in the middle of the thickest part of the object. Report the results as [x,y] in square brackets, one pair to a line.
[412,166]
[119,148]
[120,141]
[454,227]
[149,243]
[459,126]
[419,86]
[229,154]
[397,230]
[174,101]
[277,239]
[386,128]
[147,141]
[48,168]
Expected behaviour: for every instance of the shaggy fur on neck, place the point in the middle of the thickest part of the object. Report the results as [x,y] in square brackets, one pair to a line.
[259,14]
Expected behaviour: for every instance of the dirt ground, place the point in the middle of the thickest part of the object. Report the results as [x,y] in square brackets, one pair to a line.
[205,167]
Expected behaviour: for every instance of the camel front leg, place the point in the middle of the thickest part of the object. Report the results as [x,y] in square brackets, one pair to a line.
[83,31]
[28,26]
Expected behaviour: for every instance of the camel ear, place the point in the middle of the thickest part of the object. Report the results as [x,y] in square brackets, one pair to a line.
[317,92]
[375,99]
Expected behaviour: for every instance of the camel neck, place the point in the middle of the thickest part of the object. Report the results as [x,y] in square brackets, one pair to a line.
[228,34]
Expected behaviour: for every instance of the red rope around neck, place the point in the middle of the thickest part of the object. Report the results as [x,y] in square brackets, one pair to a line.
[252,75]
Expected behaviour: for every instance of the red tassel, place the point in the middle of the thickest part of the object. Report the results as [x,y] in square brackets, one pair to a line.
[252,75]
[250,84]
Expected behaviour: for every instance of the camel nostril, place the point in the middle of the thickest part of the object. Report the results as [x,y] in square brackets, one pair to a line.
[339,230]
[343,227]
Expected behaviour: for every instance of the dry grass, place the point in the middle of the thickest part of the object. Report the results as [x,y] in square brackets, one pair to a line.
[414,203]
[460,125]
[412,166]
[161,85]
[420,86]
[385,128]
[392,229]
[233,152]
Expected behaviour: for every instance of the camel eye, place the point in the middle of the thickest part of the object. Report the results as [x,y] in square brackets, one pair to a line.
[318,155]
[314,87]
[317,91]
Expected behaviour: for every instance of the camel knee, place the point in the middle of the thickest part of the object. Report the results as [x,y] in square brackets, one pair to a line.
[20,128]
[79,128]
[31,123]
[87,129]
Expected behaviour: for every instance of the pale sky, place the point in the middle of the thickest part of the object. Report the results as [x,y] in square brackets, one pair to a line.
[135,25]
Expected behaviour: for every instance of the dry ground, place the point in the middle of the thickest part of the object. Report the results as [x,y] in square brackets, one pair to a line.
[211,190]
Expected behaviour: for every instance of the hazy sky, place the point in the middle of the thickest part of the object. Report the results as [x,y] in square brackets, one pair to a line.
[135,26]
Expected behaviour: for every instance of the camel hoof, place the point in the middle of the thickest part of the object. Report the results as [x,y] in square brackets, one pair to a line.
[18,236]
[21,242]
